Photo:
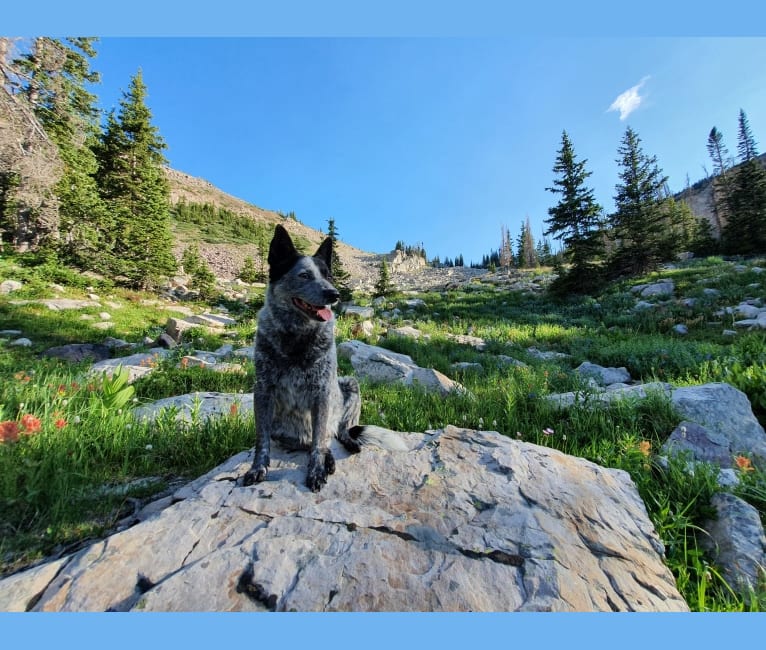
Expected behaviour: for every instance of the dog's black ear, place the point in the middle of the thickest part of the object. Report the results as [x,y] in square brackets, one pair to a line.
[324,252]
[282,253]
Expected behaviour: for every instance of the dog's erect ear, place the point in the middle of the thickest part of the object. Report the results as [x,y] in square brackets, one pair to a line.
[282,254]
[324,252]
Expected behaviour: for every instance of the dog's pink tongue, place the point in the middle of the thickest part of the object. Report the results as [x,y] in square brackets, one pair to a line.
[325,314]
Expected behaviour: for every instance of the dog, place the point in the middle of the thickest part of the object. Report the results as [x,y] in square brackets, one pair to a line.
[299,399]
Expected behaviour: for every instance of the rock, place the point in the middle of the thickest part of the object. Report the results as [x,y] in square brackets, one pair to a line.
[405,331]
[547,355]
[380,365]
[736,541]
[711,293]
[467,521]
[9,333]
[201,405]
[360,313]
[415,303]
[748,311]
[681,329]
[612,394]
[467,366]
[700,444]
[22,342]
[505,360]
[723,411]
[247,352]
[662,288]
[105,316]
[728,333]
[212,320]
[9,286]
[604,376]
[164,340]
[103,325]
[689,303]
[364,328]
[137,365]
[76,352]
[642,305]
[465,339]
[175,327]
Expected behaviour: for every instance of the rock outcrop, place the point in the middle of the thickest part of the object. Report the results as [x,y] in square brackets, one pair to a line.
[466,521]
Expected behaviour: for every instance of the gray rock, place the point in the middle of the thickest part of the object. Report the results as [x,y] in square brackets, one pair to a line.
[612,394]
[466,339]
[103,325]
[505,360]
[212,320]
[467,366]
[546,355]
[380,365]
[725,412]
[467,521]
[200,405]
[5,333]
[681,329]
[76,352]
[415,303]
[700,444]
[728,333]
[663,288]
[642,304]
[9,286]
[604,376]
[137,365]
[22,342]
[360,313]
[736,541]
[406,331]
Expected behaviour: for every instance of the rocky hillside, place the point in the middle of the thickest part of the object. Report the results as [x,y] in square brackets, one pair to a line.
[227,259]
[700,198]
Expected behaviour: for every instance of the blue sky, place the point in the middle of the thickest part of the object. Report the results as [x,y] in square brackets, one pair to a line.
[440,141]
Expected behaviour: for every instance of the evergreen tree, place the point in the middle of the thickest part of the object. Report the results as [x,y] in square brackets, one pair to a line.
[340,277]
[248,272]
[195,266]
[525,245]
[745,232]
[134,187]
[576,221]
[383,285]
[721,178]
[637,223]
[55,73]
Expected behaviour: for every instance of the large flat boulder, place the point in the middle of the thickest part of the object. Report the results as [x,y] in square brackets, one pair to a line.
[466,521]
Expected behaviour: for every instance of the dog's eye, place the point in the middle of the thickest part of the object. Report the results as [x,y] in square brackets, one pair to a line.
[305,275]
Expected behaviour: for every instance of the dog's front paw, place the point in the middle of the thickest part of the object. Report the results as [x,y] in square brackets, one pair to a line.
[319,470]
[255,475]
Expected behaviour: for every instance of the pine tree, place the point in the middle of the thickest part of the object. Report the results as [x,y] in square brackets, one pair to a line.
[576,221]
[340,277]
[745,232]
[195,266]
[248,272]
[637,222]
[721,178]
[134,187]
[383,285]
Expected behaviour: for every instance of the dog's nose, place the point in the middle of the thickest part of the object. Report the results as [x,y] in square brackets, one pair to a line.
[331,296]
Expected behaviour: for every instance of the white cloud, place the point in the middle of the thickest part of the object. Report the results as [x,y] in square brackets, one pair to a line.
[630,100]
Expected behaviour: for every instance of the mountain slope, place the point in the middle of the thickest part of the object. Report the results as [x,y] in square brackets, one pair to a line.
[226,259]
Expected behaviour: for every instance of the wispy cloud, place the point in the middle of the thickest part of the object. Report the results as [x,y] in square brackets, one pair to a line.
[630,100]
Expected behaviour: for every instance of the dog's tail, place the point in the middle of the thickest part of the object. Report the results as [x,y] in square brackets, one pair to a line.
[378,436]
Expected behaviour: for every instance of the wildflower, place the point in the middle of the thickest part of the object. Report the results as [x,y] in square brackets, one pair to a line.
[548,431]
[233,409]
[61,389]
[494,423]
[22,376]
[645,447]
[185,362]
[9,431]
[30,423]
[149,447]
[744,464]
[76,419]
[564,437]
[60,423]
[518,434]
[481,422]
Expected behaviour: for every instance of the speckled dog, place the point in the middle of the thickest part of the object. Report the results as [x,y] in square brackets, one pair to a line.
[299,399]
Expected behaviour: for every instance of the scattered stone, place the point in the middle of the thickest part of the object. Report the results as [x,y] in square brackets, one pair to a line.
[415,303]
[465,339]
[603,376]
[736,541]
[212,320]
[76,352]
[22,342]
[137,365]
[103,325]
[723,411]
[360,313]
[9,333]
[105,316]
[642,305]
[505,360]
[681,329]
[699,444]
[380,365]
[467,521]
[9,286]
[614,393]
[175,327]
[711,293]
[728,333]
[661,288]
[363,329]
[202,405]
[546,355]
[248,352]
[164,340]
[467,366]
[405,331]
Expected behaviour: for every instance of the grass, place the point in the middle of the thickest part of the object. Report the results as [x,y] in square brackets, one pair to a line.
[56,483]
